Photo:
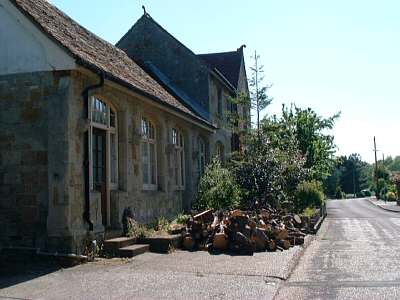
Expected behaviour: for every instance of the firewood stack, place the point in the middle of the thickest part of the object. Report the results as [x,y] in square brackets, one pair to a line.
[245,232]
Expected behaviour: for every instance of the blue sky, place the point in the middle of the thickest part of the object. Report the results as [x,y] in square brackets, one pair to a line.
[329,55]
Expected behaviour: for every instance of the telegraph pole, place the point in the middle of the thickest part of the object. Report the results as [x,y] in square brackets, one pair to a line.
[376,169]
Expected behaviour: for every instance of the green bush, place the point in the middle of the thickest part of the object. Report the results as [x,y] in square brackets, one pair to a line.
[309,194]
[339,193]
[390,196]
[366,193]
[181,219]
[137,230]
[217,188]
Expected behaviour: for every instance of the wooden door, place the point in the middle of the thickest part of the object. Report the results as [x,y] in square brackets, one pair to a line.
[99,169]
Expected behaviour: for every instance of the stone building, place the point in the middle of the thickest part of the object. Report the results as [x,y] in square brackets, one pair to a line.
[87,130]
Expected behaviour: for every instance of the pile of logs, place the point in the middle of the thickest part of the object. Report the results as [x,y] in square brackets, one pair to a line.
[244,232]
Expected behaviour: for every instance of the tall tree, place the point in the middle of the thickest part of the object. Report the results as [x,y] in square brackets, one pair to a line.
[353,179]
[258,90]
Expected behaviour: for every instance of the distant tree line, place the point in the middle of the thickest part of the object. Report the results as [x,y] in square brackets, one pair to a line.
[353,177]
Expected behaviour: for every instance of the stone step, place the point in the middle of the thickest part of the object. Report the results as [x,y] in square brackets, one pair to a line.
[113,245]
[133,250]
[112,233]
[163,243]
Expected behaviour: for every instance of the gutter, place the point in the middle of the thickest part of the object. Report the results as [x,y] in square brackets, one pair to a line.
[86,164]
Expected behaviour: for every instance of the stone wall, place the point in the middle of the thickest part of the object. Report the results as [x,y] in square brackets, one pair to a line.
[147,205]
[42,134]
[27,103]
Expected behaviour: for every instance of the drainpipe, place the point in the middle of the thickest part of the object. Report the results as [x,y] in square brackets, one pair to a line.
[86,164]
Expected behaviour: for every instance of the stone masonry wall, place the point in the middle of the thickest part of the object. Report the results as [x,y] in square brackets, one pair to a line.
[147,205]
[25,105]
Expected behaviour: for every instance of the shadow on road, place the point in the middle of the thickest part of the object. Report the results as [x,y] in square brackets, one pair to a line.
[16,269]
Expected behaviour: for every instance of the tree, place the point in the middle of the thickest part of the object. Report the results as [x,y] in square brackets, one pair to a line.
[351,175]
[353,179]
[258,91]
[392,164]
[313,141]
[258,172]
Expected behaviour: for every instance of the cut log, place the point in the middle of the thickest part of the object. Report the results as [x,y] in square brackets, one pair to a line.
[205,216]
[297,219]
[271,245]
[260,239]
[237,213]
[285,244]
[281,234]
[215,222]
[220,241]
[188,243]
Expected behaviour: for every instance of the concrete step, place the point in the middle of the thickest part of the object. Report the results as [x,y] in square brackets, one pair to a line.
[113,245]
[133,250]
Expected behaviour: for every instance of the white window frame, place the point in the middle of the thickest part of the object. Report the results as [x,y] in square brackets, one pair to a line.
[147,140]
[178,142]
[109,130]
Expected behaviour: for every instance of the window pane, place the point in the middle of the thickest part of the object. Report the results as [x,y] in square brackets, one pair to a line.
[181,140]
[112,118]
[174,136]
[182,168]
[94,162]
[151,131]
[145,163]
[113,158]
[153,163]
[145,129]
[176,162]
[99,111]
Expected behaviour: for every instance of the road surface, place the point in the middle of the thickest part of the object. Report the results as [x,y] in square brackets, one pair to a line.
[355,256]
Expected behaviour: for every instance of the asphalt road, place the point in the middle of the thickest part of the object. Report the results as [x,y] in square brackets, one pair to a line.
[356,255]
[180,275]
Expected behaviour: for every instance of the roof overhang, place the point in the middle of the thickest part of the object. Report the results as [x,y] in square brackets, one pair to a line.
[150,99]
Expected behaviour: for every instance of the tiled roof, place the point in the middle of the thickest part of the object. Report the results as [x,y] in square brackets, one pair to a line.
[228,63]
[97,54]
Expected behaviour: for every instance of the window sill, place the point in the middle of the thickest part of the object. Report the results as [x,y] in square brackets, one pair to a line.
[179,188]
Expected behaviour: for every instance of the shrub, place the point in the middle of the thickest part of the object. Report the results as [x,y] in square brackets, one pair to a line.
[396,181]
[137,230]
[181,219]
[390,196]
[309,194]
[162,224]
[309,212]
[366,193]
[339,193]
[381,189]
[217,188]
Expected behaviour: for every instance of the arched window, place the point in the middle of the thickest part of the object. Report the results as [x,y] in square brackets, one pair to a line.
[202,155]
[148,154]
[179,158]
[104,143]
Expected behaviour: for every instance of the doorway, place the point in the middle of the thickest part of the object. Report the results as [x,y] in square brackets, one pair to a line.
[99,156]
